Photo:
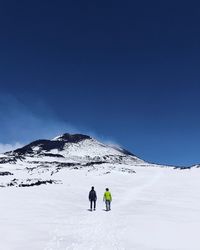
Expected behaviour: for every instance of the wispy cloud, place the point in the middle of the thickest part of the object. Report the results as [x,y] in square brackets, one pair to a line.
[20,123]
[105,139]
[8,147]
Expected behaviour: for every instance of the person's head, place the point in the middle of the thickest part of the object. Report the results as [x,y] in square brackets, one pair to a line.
[92,188]
[107,189]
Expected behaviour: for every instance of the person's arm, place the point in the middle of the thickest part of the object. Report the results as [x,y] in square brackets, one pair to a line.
[95,195]
[89,196]
[110,197]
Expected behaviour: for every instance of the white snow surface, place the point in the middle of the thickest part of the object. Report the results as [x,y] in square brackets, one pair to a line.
[153,209]
[88,147]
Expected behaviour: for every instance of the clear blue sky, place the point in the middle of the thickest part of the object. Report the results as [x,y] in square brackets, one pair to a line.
[125,71]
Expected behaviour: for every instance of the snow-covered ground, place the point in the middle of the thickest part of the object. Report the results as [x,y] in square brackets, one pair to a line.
[154,209]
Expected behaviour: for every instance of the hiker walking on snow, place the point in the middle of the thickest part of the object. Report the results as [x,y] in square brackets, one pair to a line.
[92,198]
[107,198]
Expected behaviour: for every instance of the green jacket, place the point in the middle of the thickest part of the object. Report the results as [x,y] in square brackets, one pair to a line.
[107,196]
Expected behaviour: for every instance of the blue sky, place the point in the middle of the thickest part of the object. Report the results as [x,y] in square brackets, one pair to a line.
[125,72]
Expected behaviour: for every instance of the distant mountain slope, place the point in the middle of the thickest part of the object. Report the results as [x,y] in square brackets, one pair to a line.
[72,148]
[40,160]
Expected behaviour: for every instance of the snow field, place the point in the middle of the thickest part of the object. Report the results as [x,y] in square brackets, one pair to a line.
[154,209]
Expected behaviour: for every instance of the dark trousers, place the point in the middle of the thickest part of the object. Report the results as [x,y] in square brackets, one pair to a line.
[92,202]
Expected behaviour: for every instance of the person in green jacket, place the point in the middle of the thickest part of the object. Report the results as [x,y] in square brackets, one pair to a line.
[107,198]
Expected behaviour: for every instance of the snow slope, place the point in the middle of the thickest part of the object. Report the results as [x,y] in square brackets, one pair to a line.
[41,159]
[153,208]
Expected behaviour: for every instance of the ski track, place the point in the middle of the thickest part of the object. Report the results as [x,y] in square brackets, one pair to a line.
[97,229]
[92,229]
[154,209]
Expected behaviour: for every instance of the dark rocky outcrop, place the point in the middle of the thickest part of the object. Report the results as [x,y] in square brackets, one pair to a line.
[47,145]
[74,138]
[5,173]
[30,182]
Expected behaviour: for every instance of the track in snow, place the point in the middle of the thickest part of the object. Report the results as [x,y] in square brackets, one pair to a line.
[95,230]
[154,209]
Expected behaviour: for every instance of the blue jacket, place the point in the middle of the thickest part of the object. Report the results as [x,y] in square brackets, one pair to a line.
[92,195]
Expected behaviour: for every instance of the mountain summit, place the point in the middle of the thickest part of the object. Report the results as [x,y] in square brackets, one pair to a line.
[44,146]
[72,138]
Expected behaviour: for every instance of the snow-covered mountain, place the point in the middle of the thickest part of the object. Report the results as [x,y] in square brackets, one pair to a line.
[69,148]
[153,207]
[42,159]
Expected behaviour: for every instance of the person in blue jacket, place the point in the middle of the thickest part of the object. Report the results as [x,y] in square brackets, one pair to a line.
[92,198]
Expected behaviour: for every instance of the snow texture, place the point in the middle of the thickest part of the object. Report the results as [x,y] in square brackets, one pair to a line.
[153,208]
